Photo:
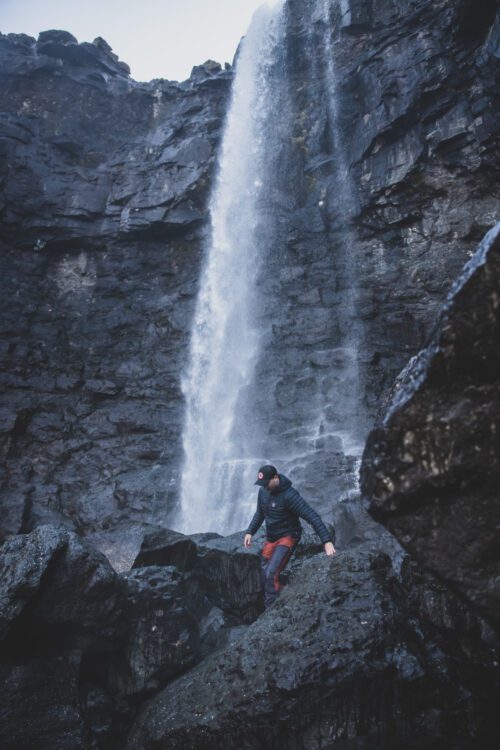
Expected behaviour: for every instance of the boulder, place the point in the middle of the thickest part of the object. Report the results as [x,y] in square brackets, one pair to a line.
[336,660]
[40,705]
[61,607]
[231,575]
[166,547]
[228,572]
[431,468]
[162,630]
[57,593]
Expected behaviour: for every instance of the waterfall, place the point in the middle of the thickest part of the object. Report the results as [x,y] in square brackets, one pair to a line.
[342,203]
[217,490]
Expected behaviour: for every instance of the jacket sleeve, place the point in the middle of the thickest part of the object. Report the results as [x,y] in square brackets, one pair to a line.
[298,505]
[257,520]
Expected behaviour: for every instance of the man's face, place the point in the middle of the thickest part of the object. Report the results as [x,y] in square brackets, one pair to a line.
[273,483]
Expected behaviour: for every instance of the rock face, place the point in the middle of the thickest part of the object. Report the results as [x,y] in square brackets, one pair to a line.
[103,213]
[386,177]
[432,467]
[82,647]
[391,145]
[340,660]
[60,601]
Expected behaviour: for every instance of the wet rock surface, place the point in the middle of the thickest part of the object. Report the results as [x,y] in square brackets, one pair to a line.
[362,648]
[228,572]
[384,179]
[340,659]
[60,601]
[166,547]
[431,468]
[162,627]
[85,647]
[40,705]
[54,590]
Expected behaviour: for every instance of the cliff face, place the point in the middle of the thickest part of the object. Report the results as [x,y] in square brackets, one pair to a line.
[386,178]
[103,218]
[394,155]
[431,467]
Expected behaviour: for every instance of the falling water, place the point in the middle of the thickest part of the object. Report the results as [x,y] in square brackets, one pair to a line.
[345,202]
[224,341]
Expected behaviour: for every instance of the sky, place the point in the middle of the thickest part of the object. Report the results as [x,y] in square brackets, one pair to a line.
[156,38]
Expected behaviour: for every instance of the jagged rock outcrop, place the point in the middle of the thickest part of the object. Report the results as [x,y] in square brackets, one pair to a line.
[386,133]
[431,468]
[55,590]
[166,547]
[340,660]
[393,152]
[363,648]
[228,572]
[84,646]
[162,630]
[59,601]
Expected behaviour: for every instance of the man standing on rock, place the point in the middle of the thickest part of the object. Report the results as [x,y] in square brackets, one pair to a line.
[280,505]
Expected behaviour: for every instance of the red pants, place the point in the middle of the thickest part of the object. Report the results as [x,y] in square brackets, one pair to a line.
[275,556]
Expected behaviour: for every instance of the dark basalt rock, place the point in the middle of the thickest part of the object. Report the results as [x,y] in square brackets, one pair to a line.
[107,642]
[104,221]
[431,469]
[60,603]
[63,46]
[40,705]
[386,177]
[103,214]
[56,593]
[162,630]
[166,547]
[229,573]
[337,659]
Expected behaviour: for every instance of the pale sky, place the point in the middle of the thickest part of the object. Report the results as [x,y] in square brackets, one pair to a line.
[157,38]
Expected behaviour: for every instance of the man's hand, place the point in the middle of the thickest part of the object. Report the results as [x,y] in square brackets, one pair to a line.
[329,549]
[247,541]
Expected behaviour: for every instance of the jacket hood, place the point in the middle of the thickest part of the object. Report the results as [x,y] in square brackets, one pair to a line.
[284,484]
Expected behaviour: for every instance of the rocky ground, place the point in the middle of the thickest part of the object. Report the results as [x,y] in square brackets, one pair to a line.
[360,650]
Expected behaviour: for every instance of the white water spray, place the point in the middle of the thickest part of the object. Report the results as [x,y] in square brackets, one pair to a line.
[346,202]
[224,340]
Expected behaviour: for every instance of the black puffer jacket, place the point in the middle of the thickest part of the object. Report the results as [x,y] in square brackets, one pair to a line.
[281,510]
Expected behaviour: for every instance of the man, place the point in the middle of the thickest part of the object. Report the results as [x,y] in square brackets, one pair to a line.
[280,505]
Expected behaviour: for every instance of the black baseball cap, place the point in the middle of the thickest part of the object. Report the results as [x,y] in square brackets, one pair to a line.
[266,473]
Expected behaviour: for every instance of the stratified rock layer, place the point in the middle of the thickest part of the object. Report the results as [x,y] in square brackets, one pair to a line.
[431,469]
[103,211]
